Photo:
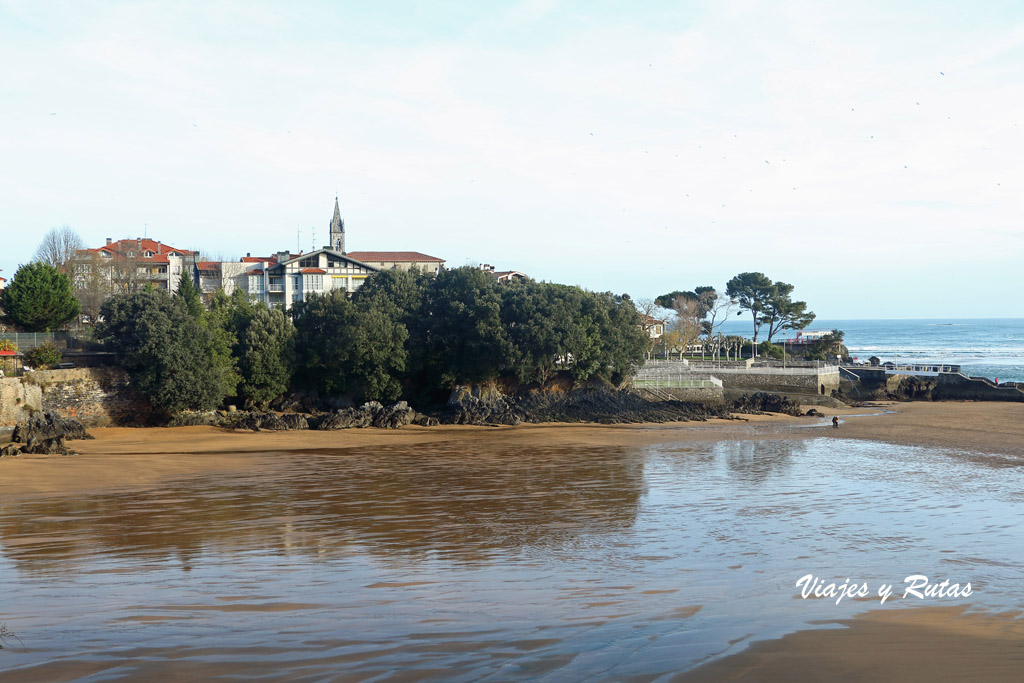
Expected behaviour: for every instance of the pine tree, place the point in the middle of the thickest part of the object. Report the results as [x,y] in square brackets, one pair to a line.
[189,293]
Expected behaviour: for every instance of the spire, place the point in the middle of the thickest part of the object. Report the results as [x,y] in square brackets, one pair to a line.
[337,229]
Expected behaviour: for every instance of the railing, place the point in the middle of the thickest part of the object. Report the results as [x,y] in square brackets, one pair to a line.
[275,288]
[669,367]
[26,341]
[679,381]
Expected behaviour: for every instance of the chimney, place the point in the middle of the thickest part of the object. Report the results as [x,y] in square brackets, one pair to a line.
[248,254]
[138,243]
[108,240]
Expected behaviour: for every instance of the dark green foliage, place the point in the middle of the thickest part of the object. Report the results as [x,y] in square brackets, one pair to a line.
[39,298]
[782,313]
[467,341]
[404,330]
[766,348]
[752,291]
[265,353]
[168,353]
[669,300]
[349,348]
[46,355]
[828,347]
[188,292]
[253,346]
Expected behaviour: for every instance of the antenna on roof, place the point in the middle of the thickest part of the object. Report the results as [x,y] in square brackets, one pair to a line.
[145,230]
[298,238]
[313,241]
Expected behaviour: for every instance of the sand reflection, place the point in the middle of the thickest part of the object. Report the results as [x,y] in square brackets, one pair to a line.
[390,503]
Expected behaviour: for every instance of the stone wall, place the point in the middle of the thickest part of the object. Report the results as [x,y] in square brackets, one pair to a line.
[961,387]
[707,395]
[810,383]
[17,401]
[99,397]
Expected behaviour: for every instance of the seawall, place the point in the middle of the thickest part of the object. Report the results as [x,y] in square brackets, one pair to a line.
[98,397]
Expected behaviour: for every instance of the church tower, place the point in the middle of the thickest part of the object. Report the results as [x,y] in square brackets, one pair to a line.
[337,230]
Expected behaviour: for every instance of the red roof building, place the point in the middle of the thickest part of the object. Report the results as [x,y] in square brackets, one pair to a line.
[402,260]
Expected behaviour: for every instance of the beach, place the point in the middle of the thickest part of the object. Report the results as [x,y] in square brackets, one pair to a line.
[126,457]
[156,498]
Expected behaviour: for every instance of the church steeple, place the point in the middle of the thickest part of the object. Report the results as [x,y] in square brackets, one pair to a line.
[337,229]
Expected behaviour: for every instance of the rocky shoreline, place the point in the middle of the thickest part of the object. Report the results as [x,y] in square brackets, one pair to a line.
[46,433]
[488,406]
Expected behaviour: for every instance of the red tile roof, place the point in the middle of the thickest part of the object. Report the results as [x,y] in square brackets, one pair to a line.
[259,259]
[159,249]
[312,271]
[255,271]
[209,265]
[401,256]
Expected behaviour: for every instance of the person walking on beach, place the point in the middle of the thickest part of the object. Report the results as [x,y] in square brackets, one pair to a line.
[835,422]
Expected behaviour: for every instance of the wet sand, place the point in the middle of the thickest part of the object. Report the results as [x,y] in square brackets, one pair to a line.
[922,644]
[129,458]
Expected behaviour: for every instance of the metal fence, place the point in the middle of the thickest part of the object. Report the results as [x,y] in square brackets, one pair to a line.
[682,380]
[26,341]
[670,367]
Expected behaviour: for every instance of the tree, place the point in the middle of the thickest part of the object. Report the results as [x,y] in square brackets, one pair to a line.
[782,313]
[59,248]
[167,353]
[39,298]
[685,327]
[752,291]
[345,348]
[467,342]
[189,294]
[92,284]
[829,346]
[265,355]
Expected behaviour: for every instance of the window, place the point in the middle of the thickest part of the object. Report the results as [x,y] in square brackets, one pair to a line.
[313,282]
[310,262]
[255,283]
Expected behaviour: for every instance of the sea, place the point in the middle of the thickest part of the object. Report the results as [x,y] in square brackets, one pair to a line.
[983,347]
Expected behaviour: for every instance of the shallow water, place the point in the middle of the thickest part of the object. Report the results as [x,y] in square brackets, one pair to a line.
[455,563]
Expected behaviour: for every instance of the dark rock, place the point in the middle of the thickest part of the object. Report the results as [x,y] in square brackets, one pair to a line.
[49,425]
[394,416]
[763,402]
[813,413]
[193,418]
[44,446]
[272,422]
[488,406]
[425,420]
[251,421]
[10,449]
[294,421]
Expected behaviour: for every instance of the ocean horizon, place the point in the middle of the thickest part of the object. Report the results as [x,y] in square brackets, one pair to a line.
[985,347]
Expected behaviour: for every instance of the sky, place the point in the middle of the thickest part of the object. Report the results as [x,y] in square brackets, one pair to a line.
[869,153]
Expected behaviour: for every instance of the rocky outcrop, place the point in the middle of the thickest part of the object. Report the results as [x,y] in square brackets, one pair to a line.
[43,446]
[488,406]
[481,405]
[371,414]
[43,426]
[763,402]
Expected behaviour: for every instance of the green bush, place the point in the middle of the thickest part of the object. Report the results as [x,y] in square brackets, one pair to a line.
[43,356]
[771,350]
